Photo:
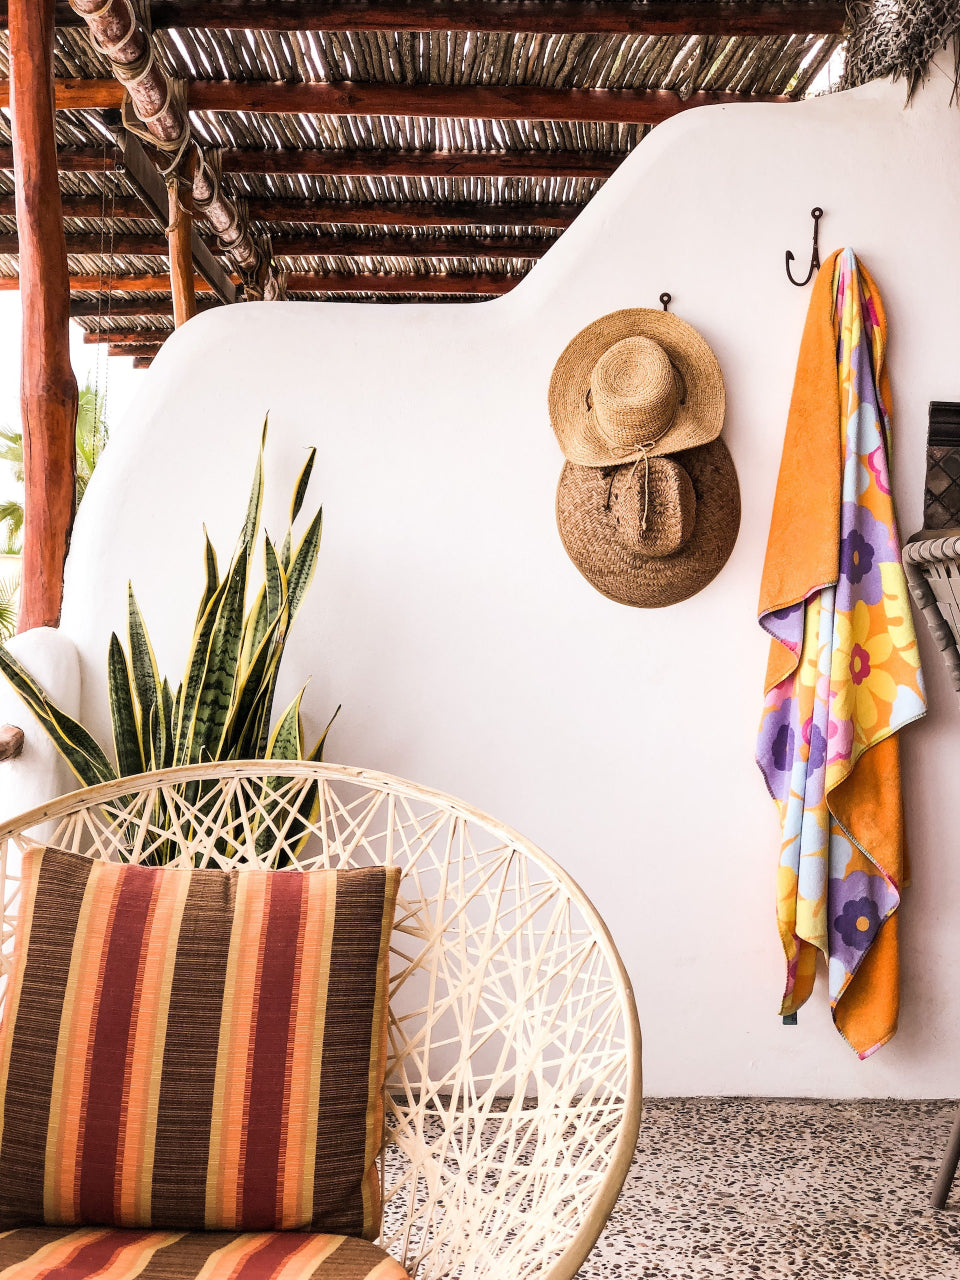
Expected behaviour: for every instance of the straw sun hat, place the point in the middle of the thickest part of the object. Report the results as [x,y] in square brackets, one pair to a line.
[635,383]
[652,533]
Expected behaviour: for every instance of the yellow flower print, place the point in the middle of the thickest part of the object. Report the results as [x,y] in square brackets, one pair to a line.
[857,672]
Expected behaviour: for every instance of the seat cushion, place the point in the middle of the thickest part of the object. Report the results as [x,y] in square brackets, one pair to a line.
[195,1049]
[89,1253]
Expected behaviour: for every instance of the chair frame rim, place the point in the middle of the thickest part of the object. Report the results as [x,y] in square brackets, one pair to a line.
[579,1247]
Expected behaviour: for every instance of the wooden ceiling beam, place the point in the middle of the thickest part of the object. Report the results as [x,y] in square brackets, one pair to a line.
[124,337]
[424,164]
[373,282]
[149,349]
[317,246]
[524,247]
[374,163]
[409,213]
[74,159]
[303,282]
[107,284]
[90,207]
[548,17]
[474,102]
[109,308]
[93,244]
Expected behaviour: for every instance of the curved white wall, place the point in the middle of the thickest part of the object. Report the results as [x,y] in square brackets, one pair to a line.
[468,652]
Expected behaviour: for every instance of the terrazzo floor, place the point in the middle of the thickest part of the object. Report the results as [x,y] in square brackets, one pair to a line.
[759,1189]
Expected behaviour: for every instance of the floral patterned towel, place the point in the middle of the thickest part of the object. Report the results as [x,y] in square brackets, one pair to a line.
[844,673]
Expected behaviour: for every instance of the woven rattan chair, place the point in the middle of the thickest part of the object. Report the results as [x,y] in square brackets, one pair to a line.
[514,1072]
[931,561]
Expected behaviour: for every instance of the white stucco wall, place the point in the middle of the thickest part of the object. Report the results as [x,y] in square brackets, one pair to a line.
[468,652]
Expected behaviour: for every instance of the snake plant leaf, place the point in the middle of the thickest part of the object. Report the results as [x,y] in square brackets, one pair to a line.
[301,490]
[219,678]
[163,742]
[275,581]
[252,522]
[248,700]
[193,681]
[317,752]
[81,752]
[213,576]
[126,730]
[299,494]
[304,563]
[146,677]
[286,741]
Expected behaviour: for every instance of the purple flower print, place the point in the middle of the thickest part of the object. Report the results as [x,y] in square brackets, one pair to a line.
[857,905]
[817,745]
[856,556]
[858,922]
[864,546]
[781,749]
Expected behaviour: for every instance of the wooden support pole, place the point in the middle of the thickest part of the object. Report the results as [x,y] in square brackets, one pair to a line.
[179,236]
[48,388]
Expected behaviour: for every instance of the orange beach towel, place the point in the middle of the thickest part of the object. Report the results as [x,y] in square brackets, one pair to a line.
[844,671]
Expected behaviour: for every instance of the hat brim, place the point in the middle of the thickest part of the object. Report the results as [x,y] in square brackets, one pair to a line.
[699,418]
[589,533]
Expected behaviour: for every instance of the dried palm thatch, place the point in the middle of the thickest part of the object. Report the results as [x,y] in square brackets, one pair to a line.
[898,38]
[458,208]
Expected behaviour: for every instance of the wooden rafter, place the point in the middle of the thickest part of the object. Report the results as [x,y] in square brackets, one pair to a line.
[303,282]
[376,163]
[409,213]
[106,284]
[321,245]
[75,159]
[474,102]
[90,207]
[372,282]
[114,309]
[148,349]
[549,17]
[424,164]
[124,337]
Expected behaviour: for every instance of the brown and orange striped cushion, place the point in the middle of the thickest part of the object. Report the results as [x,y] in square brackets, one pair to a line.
[199,1050]
[90,1253]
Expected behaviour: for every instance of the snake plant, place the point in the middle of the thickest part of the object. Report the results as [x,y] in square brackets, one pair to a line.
[223,707]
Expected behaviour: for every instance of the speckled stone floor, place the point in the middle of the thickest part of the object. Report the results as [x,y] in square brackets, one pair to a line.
[759,1189]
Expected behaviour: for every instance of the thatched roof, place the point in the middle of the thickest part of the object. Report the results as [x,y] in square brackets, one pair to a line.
[305,176]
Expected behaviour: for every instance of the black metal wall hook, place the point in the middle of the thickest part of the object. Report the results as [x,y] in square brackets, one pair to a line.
[816,214]
[665,300]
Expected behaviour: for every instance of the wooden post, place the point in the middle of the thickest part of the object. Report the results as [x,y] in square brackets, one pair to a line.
[48,388]
[179,237]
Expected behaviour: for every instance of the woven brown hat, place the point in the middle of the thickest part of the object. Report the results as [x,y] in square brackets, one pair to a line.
[635,382]
[692,520]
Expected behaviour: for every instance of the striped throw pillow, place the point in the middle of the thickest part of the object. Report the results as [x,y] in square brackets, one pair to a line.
[200,1050]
